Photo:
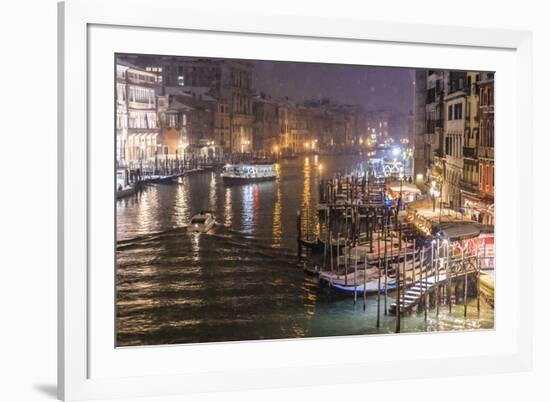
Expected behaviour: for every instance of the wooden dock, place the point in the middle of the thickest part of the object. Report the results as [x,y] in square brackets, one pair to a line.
[452,269]
[366,246]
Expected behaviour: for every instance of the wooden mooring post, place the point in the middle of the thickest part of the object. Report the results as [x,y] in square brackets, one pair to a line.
[346,252]
[365,283]
[448,278]
[325,251]
[338,254]
[423,290]
[386,274]
[414,262]
[437,282]
[355,279]
[478,284]
[465,283]
[405,269]
[398,278]
[379,280]
[331,253]
[299,233]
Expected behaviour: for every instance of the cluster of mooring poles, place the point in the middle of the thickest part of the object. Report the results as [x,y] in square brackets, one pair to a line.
[165,166]
[364,246]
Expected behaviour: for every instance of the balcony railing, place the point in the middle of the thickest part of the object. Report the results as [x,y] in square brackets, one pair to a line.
[141,82]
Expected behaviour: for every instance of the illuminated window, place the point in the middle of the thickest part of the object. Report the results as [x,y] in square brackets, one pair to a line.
[172,120]
[181,76]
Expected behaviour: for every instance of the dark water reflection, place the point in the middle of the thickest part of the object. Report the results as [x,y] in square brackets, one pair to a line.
[240,281]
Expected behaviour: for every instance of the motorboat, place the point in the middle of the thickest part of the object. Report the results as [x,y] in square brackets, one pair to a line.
[202,222]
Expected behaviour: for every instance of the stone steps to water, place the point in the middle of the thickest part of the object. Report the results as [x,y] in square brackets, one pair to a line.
[412,296]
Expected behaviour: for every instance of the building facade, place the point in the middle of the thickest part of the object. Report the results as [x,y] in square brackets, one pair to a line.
[266,125]
[470,177]
[486,148]
[454,139]
[188,102]
[137,126]
[429,133]
[454,131]
[229,82]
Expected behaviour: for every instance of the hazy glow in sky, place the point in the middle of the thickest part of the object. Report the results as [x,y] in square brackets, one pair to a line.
[373,87]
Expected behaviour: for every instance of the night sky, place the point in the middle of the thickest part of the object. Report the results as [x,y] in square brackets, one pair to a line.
[372,87]
[375,88]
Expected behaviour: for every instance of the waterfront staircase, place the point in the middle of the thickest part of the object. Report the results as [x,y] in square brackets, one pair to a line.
[412,296]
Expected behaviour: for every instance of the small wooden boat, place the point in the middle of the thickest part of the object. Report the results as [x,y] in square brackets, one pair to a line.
[341,243]
[371,287]
[314,271]
[317,245]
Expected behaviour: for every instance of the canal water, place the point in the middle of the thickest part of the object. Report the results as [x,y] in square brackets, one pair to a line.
[240,281]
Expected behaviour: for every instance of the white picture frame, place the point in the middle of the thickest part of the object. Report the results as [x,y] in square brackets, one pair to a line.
[77,306]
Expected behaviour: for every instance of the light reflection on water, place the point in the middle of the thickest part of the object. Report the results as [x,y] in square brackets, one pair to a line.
[240,281]
[228,215]
[213,191]
[181,211]
[248,208]
[277,225]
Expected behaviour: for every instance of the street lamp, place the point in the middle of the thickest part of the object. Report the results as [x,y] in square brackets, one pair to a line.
[276,152]
[434,192]
[400,202]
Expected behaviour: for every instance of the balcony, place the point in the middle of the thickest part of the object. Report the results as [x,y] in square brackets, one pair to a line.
[144,105]
[135,130]
[469,152]
[486,152]
[142,82]
[468,187]
[433,125]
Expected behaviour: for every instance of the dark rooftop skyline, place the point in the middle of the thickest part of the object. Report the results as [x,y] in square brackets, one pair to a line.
[373,87]
[389,88]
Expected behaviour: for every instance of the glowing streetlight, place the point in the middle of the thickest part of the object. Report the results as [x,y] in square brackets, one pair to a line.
[434,192]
